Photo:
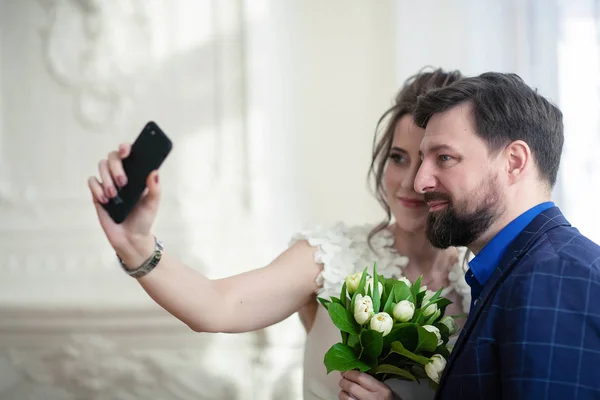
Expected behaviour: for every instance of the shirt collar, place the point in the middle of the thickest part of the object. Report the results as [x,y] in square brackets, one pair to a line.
[484,264]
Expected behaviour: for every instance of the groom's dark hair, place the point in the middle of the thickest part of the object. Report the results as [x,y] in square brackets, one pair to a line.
[504,109]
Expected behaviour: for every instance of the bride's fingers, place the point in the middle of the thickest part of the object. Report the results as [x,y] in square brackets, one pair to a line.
[345,396]
[97,190]
[353,389]
[107,181]
[124,150]
[115,167]
[364,380]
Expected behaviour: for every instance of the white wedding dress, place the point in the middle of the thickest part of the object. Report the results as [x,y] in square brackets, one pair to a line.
[344,250]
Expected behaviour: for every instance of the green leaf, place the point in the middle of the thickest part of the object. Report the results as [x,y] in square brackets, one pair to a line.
[406,333]
[399,373]
[342,358]
[443,351]
[443,302]
[437,298]
[372,345]
[343,295]
[427,340]
[324,302]
[388,291]
[376,295]
[342,319]
[402,292]
[336,300]
[398,348]
[433,317]
[344,337]
[436,295]
[432,300]
[388,283]
[389,304]
[360,289]
[353,341]
[444,331]
[363,282]
[415,289]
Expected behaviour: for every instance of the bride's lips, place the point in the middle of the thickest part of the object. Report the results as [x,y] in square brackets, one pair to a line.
[437,205]
[411,203]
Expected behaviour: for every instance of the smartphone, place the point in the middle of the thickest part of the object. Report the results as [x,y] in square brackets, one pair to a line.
[147,154]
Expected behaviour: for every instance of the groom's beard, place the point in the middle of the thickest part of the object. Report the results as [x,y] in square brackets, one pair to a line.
[454,227]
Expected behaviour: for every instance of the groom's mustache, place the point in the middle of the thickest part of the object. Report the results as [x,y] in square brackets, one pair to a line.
[436,196]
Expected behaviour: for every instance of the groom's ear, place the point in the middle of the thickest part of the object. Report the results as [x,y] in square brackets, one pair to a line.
[518,160]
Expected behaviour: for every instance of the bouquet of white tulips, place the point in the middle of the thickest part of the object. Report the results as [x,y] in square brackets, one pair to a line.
[390,328]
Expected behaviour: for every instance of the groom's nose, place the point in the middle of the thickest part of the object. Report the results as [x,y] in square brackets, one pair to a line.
[425,180]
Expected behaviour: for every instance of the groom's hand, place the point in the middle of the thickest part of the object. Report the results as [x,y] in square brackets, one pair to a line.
[361,386]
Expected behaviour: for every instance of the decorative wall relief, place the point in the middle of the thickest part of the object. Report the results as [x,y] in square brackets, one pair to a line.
[93,367]
[89,46]
[97,367]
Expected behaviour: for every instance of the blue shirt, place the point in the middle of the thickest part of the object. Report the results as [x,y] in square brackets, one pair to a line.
[483,265]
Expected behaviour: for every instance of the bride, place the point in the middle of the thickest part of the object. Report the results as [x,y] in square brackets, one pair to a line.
[315,264]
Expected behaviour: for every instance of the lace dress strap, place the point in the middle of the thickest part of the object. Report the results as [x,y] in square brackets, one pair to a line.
[344,250]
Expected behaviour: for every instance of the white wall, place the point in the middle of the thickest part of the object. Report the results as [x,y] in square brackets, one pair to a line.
[476,36]
[331,74]
[578,66]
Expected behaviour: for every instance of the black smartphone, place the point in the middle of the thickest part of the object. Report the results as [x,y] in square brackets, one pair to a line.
[147,154]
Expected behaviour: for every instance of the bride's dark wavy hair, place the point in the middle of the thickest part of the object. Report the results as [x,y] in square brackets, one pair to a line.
[404,103]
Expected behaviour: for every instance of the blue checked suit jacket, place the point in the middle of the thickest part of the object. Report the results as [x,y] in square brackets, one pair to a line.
[534,333]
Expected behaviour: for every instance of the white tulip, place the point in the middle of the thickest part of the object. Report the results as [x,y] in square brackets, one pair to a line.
[435,368]
[352,282]
[423,288]
[382,322]
[430,310]
[405,280]
[363,309]
[451,324]
[428,295]
[434,330]
[404,311]
[370,286]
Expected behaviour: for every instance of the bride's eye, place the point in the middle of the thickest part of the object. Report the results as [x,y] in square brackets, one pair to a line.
[397,158]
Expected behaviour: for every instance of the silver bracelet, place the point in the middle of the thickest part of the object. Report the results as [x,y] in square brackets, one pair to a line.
[148,265]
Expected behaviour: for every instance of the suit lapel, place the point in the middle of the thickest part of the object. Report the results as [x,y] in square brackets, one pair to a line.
[548,219]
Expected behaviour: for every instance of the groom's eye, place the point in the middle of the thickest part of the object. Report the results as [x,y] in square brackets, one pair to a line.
[445,160]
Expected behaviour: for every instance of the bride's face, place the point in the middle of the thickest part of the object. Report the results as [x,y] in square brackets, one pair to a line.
[407,206]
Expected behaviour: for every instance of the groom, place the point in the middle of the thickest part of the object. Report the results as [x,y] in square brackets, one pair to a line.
[491,153]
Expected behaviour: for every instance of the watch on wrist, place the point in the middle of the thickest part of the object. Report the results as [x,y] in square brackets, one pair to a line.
[148,265]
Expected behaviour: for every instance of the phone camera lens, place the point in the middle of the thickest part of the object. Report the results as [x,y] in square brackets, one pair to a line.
[152,132]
